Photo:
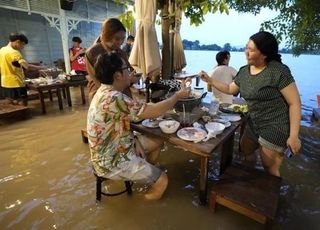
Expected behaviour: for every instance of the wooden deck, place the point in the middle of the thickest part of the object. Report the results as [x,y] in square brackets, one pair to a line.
[8,110]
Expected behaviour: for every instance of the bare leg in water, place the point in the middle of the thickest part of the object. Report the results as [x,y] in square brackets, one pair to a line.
[158,188]
[271,161]
[248,148]
[151,148]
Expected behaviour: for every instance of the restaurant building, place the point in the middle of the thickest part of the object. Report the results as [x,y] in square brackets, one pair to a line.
[50,28]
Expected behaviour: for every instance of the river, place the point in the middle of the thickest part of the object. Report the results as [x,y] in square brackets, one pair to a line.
[305,70]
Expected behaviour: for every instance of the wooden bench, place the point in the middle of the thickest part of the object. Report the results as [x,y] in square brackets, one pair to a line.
[8,110]
[248,191]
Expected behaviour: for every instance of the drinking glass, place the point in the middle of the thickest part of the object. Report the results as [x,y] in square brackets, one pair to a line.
[49,79]
[184,119]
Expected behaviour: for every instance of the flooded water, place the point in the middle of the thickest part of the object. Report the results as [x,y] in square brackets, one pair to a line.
[46,183]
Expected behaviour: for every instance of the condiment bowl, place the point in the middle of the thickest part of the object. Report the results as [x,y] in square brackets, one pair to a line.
[215,127]
[169,126]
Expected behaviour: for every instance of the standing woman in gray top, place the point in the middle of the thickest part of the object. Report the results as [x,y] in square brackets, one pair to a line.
[273,100]
[112,35]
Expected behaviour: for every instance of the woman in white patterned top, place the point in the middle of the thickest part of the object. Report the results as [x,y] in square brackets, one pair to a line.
[115,153]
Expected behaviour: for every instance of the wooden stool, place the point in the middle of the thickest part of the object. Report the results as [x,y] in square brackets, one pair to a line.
[248,191]
[84,135]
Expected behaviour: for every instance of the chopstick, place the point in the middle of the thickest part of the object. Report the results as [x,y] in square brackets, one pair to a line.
[184,114]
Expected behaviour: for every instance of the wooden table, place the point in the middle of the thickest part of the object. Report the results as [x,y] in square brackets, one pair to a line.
[202,149]
[81,84]
[58,87]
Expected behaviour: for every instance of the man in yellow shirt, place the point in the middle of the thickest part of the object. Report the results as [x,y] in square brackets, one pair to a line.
[11,63]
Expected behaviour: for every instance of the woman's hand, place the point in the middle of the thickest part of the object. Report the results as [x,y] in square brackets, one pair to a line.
[183,92]
[204,77]
[186,82]
[294,143]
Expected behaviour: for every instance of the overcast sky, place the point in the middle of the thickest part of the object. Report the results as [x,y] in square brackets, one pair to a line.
[219,28]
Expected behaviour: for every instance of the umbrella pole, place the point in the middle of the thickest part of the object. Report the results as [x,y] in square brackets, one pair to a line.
[165,28]
[147,82]
[172,34]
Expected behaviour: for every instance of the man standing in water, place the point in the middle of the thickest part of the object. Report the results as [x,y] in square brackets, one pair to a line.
[12,75]
[223,73]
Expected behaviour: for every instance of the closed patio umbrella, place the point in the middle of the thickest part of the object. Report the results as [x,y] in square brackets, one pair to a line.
[179,58]
[145,55]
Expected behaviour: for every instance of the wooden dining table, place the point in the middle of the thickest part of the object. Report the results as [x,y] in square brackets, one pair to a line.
[223,142]
[59,87]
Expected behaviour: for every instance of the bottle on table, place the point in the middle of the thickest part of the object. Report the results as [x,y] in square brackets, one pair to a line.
[214,106]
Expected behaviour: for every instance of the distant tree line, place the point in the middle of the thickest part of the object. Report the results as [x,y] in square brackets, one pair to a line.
[195,45]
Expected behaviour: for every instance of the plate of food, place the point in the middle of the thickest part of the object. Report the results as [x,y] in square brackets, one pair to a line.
[151,123]
[233,108]
[226,123]
[191,134]
[230,117]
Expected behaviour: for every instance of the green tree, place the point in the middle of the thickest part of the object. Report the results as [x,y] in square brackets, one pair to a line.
[227,47]
[127,20]
[298,21]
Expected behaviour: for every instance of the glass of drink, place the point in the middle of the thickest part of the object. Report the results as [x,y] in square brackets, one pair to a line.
[184,118]
[209,87]
[49,79]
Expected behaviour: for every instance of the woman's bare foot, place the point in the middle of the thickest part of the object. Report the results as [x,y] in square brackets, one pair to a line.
[157,189]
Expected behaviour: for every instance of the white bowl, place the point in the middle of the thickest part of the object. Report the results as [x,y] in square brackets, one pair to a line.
[215,127]
[169,126]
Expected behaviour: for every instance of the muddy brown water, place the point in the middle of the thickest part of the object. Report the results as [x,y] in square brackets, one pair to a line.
[46,182]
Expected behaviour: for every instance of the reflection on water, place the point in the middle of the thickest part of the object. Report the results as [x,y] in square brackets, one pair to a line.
[46,183]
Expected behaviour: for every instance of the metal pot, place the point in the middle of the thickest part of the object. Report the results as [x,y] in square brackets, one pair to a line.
[189,103]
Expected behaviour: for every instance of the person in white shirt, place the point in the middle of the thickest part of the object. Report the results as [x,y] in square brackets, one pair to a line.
[223,73]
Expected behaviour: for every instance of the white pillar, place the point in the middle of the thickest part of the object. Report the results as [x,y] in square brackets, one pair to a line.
[64,37]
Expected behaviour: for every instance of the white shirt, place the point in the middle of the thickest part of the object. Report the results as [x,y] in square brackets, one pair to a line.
[226,75]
